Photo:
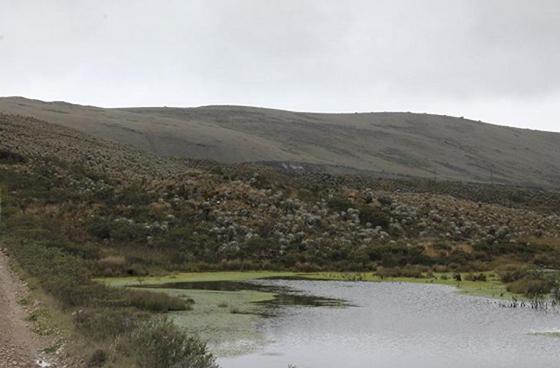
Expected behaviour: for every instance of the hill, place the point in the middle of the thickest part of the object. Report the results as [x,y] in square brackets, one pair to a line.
[375,144]
[77,207]
[117,201]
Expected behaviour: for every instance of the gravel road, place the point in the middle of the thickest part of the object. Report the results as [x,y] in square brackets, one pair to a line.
[19,346]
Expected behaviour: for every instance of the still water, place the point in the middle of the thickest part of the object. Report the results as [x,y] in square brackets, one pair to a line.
[399,325]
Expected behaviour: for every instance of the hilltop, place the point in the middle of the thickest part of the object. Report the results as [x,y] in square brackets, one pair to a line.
[398,145]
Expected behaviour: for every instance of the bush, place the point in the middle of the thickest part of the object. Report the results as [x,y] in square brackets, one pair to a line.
[100,228]
[106,323]
[339,204]
[156,302]
[64,276]
[97,359]
[375,216]
[126,232]
[530,287]
[395,255]
[9,157]
[409,271]
[160,344]
[531,283]
[514,275]
[476,277]
[135,195]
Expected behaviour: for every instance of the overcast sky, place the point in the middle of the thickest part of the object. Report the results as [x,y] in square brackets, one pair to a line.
[494,60]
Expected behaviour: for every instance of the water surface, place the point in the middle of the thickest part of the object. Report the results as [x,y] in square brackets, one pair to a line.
[400,325]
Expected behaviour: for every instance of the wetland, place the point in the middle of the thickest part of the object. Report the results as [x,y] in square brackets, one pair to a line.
[326,320]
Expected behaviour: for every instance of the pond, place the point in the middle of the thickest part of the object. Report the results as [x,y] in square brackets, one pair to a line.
[321,324]
[402,325]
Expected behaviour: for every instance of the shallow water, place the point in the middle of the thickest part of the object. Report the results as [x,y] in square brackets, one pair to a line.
[283,294]
[400,325]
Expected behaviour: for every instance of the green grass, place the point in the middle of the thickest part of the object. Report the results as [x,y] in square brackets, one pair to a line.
[555,334]
[493,287]
[193,277]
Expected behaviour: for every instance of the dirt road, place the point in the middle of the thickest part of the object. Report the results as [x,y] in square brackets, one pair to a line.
[19,346]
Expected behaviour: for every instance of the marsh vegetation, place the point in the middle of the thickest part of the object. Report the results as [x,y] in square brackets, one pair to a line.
[379,311]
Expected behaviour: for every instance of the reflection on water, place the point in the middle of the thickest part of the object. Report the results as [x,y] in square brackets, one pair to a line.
[283,294]
[401,326]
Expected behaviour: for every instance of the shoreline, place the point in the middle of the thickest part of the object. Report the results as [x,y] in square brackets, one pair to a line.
[492,287]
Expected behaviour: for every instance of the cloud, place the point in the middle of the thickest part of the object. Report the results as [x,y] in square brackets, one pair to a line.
[489,59]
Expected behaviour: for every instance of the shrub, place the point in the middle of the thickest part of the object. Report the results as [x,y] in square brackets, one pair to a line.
[111,265]
[512,275]
[124,231]
[97,359]
[156,302]
[100,228]
[476,277]
[64,276]
[530,287]
[339,204]
[160,344]
[135,195]
[442,245]
[105,323]
[9,157]
[531,283]
[374,216]
[80,250]
[409,271]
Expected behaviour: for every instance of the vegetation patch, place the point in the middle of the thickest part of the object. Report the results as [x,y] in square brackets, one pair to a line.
[555,334]
[489,284]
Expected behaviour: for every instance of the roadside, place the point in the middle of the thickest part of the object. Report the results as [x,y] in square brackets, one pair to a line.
[19,346]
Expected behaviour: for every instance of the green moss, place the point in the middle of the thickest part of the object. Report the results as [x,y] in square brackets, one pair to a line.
[193,277]
[212,320]
[492,287]
[555,334]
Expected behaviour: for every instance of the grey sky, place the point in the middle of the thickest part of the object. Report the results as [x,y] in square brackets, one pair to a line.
[494,60]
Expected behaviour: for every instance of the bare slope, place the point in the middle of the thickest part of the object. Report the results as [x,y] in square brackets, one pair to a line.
[381,143]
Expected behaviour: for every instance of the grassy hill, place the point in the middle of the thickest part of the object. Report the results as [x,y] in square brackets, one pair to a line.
[375,144]
[76,207]
[156,213]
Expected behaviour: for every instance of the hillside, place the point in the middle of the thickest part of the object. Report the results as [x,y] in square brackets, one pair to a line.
[77,207]
[379,144]
[126,201]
